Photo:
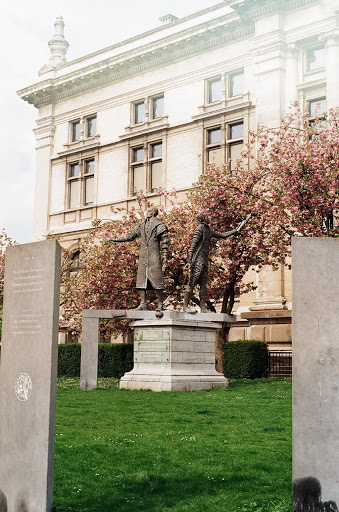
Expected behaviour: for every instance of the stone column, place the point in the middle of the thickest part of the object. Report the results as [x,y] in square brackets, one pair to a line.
[45,140]
[269,58]
[89,353]
[291,77]
[332,66]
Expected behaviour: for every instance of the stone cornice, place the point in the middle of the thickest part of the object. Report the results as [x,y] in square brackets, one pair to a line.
[197,40]
[251,9]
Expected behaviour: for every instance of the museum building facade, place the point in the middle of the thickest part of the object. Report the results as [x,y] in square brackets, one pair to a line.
[153,110]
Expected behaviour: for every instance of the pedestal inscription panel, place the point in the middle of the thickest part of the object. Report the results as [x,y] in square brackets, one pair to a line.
[28,374]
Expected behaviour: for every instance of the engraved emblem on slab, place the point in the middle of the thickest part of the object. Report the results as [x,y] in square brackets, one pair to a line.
[23,387]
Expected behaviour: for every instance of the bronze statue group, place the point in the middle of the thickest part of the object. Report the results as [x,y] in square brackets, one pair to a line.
[153,256]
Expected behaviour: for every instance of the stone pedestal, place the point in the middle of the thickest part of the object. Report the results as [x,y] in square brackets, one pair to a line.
[173,350]
[174,355]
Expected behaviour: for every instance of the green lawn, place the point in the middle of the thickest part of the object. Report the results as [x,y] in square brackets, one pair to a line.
[226,450]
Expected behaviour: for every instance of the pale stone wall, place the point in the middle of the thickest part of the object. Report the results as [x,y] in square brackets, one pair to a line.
[176,60]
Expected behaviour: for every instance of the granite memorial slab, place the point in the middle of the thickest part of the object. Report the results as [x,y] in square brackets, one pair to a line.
[315,263]
[28,374]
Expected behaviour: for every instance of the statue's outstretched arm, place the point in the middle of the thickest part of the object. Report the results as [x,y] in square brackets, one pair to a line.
[128,238]
[226,234]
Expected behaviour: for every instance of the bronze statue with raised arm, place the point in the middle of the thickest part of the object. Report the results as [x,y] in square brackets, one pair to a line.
[198,257]
[154,244]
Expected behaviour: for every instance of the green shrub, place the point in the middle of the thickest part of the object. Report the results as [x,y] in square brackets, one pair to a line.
[114,359]
[69,356]
[245,359]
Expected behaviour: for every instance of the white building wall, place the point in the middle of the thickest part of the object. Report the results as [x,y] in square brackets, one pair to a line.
[112,175]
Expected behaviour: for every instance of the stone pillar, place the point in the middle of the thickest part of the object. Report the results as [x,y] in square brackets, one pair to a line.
[28,375]
[315,264]
[45,140]
[269,58]
[174,355]
[291,76]
[89,353]
[332,66]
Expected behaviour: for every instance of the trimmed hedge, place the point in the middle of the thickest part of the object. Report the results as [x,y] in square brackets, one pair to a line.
[245,359]
[114,359]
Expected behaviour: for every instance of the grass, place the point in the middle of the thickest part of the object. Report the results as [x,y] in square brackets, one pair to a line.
[226,450]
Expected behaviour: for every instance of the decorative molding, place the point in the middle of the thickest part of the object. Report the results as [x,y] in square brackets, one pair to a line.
[104,73]
[223,110]
[251,9]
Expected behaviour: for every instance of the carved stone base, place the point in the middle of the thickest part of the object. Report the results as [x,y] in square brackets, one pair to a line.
[174,356]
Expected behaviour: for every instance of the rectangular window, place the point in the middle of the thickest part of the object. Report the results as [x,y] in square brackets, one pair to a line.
[236,130]
[138,154]
[235,143]
[236,84]
[81,183]
[214,136]
[156,166]
[215,153]
[146,168]
[214,90]
[74,194]
[89,191]
[74,170]
[317,107]
[91,126]
[89,167]
[315,58]
[139,112]
[138,173]
[75,131]
[157,107]
[235,154]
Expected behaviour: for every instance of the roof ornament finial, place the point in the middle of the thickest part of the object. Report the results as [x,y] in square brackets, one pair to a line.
[58,45]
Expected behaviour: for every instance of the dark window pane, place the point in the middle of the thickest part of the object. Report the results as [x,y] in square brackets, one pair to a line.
[158,107]
[91,126]
[315,58]
[89,167]
[214,136]
[317,107]
[157,150]
[138,155]
[75,131]
[236,130]
[139,113]
[74,170]
[214,90]
[236,84]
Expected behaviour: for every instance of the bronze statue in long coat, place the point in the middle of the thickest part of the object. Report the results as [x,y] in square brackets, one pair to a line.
[154,243]
[198,257]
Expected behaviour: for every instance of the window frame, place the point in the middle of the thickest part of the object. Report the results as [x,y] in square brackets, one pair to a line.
[82,178]
[83,128]
[307,50]
[146,164]
[208,93]
[226,143]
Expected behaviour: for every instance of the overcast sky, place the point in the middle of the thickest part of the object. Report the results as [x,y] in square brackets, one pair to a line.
[25,29]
